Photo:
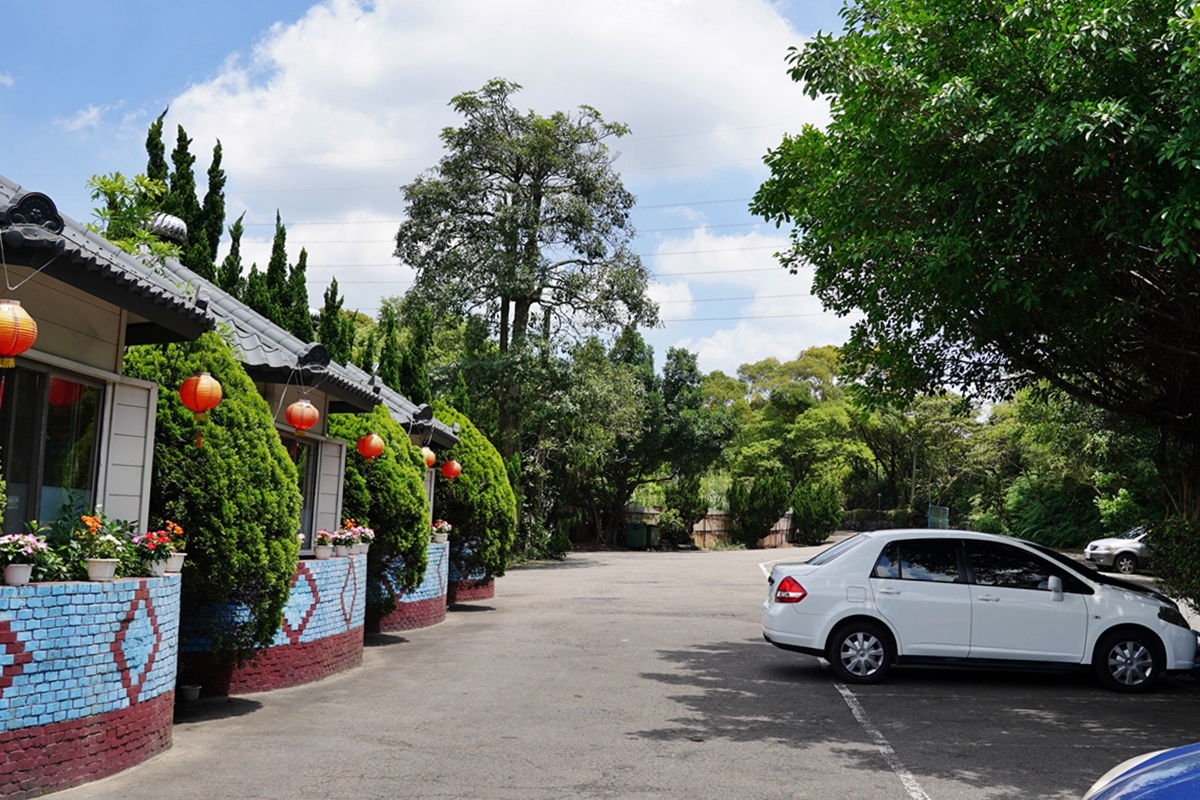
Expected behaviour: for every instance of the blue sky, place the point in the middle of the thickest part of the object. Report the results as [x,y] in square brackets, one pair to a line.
[325,110]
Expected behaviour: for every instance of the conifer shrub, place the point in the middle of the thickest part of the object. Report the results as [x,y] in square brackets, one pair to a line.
[388,495]
[480,503]
[816,512]
[236,497]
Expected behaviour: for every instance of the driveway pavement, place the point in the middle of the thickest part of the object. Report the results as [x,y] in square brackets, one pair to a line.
[644,675]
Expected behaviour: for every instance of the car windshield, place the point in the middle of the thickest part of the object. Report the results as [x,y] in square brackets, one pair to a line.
[1131,534]
[825,556]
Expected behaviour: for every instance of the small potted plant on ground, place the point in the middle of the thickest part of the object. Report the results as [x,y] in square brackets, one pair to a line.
[323,544]
[440,531]
[18,553]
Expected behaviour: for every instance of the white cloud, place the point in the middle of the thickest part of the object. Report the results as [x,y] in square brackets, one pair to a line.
[747,307]
[6,80]
[329,116]
[89,117]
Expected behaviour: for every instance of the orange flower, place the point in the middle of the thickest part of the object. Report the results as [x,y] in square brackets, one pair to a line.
[92,523]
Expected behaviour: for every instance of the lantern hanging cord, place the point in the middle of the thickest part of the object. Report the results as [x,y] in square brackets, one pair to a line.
[8,281]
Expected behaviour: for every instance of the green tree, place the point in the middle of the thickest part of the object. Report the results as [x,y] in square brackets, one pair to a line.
[156,151]
[229,276]
[525,220]
[816,512]
[335,329]
[236,497]
[389,348]
[294,308]
[414,360]
[1006,191]
[389,495]
[480,503]
[756,505]
[275,278]
[124,217]
[212,211]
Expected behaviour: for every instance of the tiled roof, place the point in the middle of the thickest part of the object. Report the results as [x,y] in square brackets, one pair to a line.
[35,235]
[174,297]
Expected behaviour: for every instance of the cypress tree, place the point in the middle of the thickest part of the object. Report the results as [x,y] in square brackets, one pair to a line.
[229,277]
[414,362]
[389,349]
[256,294]
[459,397]
[364,357]
[335,329]
[213,210]
[277,274]
[299,318]
[156,151]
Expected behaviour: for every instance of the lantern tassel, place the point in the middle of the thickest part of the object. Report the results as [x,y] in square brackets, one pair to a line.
[199,438]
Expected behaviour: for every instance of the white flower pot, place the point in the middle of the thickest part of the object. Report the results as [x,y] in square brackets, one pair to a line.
[441,538]
[102,569]
[341,550]
[323,551]
[157,568]
[18,574]
[175,562]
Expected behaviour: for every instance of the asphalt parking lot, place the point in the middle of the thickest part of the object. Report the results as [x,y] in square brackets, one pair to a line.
[644,675]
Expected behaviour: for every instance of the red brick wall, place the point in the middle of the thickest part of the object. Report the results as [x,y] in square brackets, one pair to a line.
[47,758]
[275,667]
[408,616]
[471,591]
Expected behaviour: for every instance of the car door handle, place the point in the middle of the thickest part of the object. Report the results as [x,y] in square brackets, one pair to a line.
[889,590]
[989,598]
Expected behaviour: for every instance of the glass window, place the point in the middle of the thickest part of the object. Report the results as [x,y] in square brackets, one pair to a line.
[920,560]
[825,556]
[304,456]
[996,564]
[49,442]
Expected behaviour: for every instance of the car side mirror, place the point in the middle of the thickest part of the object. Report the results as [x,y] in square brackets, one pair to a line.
[1055,586]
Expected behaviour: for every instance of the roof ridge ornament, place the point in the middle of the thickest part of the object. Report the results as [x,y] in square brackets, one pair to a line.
[34,208]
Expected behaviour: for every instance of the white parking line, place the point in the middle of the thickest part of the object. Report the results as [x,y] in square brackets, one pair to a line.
[889,755]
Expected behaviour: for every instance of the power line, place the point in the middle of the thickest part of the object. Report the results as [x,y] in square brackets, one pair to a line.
[382,241]
[398,282]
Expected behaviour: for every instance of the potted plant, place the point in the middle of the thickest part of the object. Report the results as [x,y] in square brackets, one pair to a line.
[153,548]
[100,542]
[323,544]
[440,531]
[343,540]
[18,553]
[363,536]
[178,546]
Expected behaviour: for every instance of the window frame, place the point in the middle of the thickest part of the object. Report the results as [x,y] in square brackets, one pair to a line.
[45,371]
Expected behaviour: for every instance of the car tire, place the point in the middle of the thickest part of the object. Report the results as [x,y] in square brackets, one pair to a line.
[1125,563]
[1129,660]
[861,652]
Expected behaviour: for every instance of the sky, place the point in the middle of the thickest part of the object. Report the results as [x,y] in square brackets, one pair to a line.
[325,110]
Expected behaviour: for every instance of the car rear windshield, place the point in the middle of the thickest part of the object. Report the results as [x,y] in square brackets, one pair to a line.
[825,556]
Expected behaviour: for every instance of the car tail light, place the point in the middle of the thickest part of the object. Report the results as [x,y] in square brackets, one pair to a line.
[790,591]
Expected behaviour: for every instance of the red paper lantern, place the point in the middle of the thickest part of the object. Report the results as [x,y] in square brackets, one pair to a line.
[18,332]
[370,446]
[200,394]
[64,392]
[451,469]
[302,415]
[429,456]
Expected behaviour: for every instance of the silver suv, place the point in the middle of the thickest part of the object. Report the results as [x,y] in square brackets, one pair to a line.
[1126,553]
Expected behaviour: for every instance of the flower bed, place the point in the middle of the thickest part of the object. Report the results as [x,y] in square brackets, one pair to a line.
[426,605]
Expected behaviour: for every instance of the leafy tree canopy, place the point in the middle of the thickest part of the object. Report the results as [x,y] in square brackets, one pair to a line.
[1008,192]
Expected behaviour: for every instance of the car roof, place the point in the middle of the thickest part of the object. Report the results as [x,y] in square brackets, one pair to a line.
[1169,775]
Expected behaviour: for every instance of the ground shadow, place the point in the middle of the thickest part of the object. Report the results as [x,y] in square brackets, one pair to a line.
[1005,732]
[468,607]
[211,708]
[382,639]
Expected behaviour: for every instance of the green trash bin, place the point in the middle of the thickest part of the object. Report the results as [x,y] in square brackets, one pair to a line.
[636,535]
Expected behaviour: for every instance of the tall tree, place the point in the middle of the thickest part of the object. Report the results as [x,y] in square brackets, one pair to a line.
[414,360]
[525,220]
[276,275]
[212,211]
[1007,192]
[389,348]
[229,276]
[297,317]
[156,151]
[257,295]
[335,329]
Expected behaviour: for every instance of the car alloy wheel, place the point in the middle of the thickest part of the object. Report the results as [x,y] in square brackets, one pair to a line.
[860,653]
[1128,661]
[1125,564]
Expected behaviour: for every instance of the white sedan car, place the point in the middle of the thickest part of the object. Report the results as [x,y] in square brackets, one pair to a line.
[960,598]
